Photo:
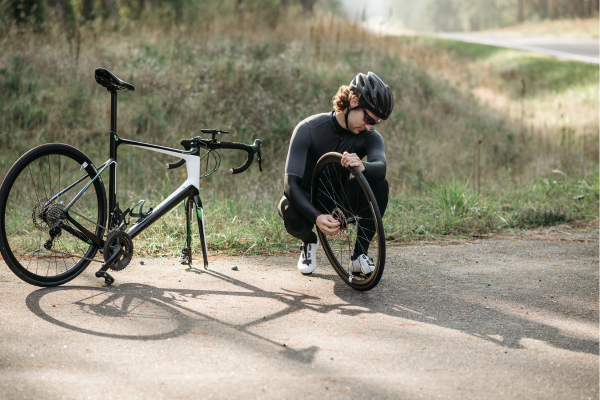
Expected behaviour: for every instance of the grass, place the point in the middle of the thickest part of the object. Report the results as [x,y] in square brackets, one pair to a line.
[465,156]
[444,210]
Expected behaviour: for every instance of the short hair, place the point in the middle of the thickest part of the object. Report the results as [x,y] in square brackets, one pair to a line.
[341,100]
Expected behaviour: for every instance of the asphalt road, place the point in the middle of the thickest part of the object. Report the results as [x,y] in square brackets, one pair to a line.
[494,319]
[578,49]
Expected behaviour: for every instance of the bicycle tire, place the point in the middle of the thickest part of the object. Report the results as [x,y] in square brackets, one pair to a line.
[26,217]
[329,183]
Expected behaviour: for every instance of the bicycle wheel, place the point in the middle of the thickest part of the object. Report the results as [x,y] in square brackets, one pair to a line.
[346,195]
[27,215]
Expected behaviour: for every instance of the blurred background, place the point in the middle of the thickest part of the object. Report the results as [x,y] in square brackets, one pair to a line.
[481,139]
[465,15]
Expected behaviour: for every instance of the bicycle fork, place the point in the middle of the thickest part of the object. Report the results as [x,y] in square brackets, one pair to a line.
[186,253]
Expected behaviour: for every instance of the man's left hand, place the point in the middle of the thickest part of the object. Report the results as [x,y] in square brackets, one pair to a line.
[352,160]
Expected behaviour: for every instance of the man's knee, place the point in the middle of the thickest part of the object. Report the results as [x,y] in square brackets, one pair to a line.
[295,222]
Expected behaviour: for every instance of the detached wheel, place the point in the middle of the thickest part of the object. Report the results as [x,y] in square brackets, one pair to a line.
[27,215]
[346,195]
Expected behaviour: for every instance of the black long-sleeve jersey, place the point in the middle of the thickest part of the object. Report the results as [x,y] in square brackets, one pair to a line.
[320,134]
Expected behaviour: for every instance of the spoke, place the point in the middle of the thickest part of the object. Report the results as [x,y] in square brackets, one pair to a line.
[344,191]
[335,202]
[42,177]
[32,182]
[15,187]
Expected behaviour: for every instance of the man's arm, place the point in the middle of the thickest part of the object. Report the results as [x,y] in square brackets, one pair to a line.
[375,168]
[294,193]
[294,170]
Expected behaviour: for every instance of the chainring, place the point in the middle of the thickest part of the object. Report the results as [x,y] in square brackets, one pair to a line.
[115,238]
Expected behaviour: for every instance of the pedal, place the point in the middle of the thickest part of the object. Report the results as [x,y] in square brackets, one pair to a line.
[186,256]
[109,280]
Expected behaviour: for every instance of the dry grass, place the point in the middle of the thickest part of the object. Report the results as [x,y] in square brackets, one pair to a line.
[259,80]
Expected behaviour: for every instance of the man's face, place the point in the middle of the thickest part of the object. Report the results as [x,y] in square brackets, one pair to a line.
[356,118]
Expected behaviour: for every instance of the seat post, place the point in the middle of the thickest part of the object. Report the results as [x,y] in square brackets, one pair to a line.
[113,111]
[112,184]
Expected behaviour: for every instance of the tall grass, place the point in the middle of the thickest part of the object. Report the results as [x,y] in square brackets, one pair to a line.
[442,210]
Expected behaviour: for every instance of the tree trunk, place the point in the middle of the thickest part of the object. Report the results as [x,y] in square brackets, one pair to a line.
[553,6]
[307,5]
[59,8]
[239,9]
[520,10]
[110,10]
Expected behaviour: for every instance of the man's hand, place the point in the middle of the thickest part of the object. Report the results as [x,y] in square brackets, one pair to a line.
[352,160]
[328,225]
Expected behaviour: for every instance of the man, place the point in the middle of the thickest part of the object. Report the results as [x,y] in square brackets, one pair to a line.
[348,130]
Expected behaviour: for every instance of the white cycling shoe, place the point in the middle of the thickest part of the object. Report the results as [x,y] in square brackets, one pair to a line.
[308,258]
[362,264]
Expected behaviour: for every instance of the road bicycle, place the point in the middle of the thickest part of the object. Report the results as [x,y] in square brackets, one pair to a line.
[56,217]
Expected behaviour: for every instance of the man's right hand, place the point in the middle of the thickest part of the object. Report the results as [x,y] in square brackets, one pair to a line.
[328,225]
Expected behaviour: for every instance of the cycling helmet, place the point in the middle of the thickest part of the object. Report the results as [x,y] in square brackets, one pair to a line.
[375,94]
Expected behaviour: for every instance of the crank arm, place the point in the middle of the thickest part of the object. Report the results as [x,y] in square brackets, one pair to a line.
[111,260]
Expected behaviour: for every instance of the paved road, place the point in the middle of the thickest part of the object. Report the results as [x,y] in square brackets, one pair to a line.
[579,49]
[493,319]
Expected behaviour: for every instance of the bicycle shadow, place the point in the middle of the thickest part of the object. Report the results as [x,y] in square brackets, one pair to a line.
[167,306]
[168,311]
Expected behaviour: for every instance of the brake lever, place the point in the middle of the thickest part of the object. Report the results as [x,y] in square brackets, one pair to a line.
[259,160]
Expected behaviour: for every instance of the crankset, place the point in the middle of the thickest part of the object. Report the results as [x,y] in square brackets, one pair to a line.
[118,250]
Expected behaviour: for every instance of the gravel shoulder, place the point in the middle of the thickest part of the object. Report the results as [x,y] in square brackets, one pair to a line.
[505,317]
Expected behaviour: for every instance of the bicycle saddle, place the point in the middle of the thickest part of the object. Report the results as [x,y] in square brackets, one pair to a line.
[109,80]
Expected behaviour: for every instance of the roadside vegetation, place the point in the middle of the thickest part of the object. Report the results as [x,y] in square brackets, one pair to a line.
[459,164]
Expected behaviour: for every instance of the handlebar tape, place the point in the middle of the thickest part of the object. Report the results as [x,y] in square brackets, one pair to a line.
[248,149]
[176,164]
[187,145]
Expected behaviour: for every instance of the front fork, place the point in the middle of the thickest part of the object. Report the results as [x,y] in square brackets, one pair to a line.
[186,252]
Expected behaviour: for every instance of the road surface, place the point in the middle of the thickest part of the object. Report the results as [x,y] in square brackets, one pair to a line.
[488,319]
[578,49]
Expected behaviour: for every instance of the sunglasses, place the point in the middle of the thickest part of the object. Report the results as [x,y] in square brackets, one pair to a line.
[367,118]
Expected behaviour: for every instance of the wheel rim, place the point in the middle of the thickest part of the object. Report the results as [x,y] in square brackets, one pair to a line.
[28,217]
[336,194]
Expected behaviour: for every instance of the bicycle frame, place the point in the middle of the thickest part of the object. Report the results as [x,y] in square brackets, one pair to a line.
[190,189]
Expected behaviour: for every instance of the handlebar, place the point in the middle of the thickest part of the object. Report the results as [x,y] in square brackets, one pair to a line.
[251,150]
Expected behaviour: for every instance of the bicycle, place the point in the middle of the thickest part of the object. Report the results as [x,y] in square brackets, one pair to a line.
[54,212]
[55,216]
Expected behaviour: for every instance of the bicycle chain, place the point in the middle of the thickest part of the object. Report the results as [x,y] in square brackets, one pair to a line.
[75,256]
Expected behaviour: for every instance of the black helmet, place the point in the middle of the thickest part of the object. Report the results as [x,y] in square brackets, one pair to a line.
[375,94]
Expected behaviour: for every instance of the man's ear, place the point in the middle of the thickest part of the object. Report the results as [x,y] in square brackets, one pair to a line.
[353,101]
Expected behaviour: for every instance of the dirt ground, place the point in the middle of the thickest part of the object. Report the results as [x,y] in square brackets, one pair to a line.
[496,318]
